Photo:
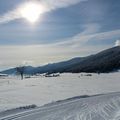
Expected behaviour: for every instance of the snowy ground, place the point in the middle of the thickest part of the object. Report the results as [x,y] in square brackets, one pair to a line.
[41,90]
[101,107]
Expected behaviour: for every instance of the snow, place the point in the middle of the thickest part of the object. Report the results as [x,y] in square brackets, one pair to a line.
[42,90]
[101,107]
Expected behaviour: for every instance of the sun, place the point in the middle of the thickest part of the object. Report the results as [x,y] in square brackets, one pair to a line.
[31,11]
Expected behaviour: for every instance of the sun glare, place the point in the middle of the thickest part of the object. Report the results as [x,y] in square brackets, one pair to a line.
[31,11]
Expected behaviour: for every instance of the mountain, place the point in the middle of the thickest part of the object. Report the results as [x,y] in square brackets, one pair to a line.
[49,68]
[13,71]
[105,61]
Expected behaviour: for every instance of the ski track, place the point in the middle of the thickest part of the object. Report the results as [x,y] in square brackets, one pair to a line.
[101,107]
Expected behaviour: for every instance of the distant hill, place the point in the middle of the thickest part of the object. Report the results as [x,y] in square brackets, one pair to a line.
[102,62]
[13,71]
[105,61]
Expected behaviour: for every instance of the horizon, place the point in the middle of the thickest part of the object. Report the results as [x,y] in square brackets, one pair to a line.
[58,31]
[31,64]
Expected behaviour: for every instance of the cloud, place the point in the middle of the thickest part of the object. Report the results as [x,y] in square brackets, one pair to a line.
[48,4]
[55,4]
[27,62]
[80,39]
[117,43]
[90,28]
[11,15]
[88,31]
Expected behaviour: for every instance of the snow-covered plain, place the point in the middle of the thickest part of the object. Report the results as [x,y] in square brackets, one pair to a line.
[42,90]
[101,107]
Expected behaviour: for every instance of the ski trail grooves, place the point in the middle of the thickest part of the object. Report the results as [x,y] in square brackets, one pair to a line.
[102,107]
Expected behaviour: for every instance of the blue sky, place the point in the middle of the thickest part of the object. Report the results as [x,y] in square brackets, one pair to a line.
[65,30]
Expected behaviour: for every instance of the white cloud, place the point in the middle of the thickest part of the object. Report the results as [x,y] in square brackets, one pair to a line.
[54,4]
[80,39]
[9,16]
[117,43]
[90,28]
[27,62]
[48,4]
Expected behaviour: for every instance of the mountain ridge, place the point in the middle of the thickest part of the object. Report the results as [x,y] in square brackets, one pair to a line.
[105,61]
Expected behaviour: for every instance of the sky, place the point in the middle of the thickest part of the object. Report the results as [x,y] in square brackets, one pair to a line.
[65,29]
